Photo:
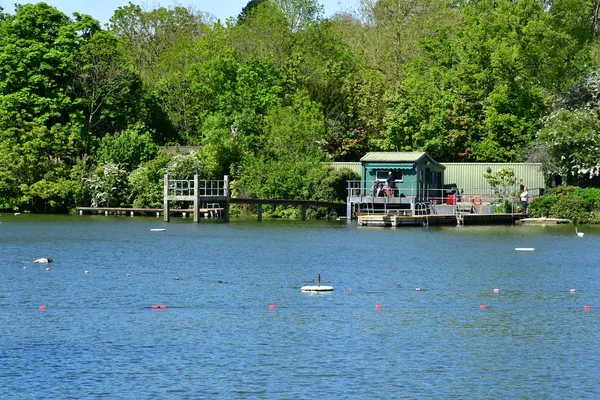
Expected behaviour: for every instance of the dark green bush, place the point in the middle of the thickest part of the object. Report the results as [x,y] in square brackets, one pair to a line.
[580,205]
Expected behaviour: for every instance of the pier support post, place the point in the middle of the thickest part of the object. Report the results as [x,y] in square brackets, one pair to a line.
[166,201]
[303,213]
[196,200]
[227,197]
[348,209]
[259,212]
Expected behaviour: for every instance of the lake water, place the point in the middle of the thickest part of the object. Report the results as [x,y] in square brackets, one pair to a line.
[99,336]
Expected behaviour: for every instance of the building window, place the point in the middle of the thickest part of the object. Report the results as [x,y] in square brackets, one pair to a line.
[381,175]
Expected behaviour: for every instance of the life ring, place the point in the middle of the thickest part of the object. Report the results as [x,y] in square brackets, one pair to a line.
[476,200]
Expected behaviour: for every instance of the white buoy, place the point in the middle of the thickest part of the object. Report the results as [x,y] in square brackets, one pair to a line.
[317,288]
[157,230]
[524,248]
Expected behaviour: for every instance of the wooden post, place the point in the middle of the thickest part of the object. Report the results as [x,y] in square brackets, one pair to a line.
[165,199]
[259,212]
[303,213]
[196,200]
[227,197]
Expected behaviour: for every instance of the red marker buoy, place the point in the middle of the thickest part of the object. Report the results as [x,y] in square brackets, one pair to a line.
[154,306]
[482,306]
[586,307]
[41,307]
[378,306]
[163,306]
[272,306]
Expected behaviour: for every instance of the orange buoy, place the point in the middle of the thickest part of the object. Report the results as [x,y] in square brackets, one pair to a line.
[41,307]
[378,306]
[476,201]
[483,306]
[586,307]
[272,306]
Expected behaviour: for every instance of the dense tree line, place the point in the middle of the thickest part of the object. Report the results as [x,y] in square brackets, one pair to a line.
[271,94]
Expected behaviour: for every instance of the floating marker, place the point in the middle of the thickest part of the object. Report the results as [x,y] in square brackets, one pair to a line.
[155,306]
[317,288]
[24,267]
[586,307]
[157,230]
[127,274]
[41,307]
[483,306]
[524,248]
[496,290]
[47,269]
[163,306]
[86,272]
[418,289]
[572,290]
[272,306]
[378,306]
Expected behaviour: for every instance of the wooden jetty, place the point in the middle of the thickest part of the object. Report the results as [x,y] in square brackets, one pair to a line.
[210,198]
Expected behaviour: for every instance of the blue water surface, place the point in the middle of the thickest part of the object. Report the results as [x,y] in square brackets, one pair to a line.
[99,336]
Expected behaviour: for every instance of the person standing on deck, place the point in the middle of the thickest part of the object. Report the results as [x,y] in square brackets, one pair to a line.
[524,197]
[391,181]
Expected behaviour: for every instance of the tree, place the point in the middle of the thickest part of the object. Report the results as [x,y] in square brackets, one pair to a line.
[486,86]
[39,134]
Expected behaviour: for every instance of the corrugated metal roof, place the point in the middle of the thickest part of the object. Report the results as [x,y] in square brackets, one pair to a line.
[470,175]
[398,156]
[387,156]
[353,166]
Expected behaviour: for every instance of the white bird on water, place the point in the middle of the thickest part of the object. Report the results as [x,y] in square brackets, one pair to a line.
[580,234]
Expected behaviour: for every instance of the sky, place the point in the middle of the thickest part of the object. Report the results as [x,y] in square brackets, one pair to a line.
[103,10]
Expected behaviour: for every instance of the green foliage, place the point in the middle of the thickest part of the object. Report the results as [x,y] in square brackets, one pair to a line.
[296,131]
[219,148]
[262,178]
[580,205]
[267,99]
[183,166]
[109,186]
[128,148]
[147,182]
[484,86]
[503,182]
[52,196]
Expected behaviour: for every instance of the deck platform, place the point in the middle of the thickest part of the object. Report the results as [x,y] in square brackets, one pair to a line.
[396,220]
[545,221]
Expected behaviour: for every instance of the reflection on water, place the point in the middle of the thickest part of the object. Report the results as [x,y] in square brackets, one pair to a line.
[100,337]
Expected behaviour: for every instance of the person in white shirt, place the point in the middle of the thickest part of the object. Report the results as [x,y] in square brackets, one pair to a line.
[524,197]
